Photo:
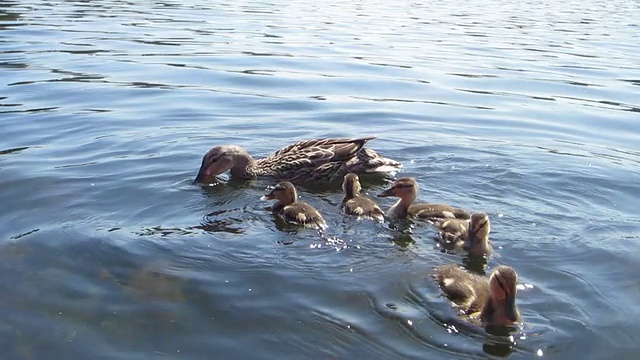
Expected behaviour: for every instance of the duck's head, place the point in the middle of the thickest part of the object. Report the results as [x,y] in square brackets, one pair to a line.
[351,185]
[220,159]
[404,188]
[479,226]
[502,285]
[285,193]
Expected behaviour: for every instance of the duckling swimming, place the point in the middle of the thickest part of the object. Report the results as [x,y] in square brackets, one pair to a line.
[293,211]
[469,235]
[494,298]
[355,204]
[407,190]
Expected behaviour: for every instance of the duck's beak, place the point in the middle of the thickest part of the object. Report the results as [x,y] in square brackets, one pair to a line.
[206,174]
[209,171]
[202,177]
[510,307]
[387,193]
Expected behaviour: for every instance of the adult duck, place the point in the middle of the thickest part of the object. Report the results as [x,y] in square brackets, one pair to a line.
[303,161]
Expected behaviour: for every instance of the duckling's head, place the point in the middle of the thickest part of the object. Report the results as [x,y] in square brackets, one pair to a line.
[502,285]
[220,159]
[351,185]
[285,193]
[479,226]
[403,188]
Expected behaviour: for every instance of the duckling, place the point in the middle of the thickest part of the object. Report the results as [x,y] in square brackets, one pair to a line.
[355,204]
[407,190]
[494,298]
[293,211]
[469,235]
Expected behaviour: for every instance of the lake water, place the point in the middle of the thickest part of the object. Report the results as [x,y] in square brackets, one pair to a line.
[528,110]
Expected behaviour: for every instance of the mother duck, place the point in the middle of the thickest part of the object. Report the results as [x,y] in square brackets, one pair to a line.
[303,161]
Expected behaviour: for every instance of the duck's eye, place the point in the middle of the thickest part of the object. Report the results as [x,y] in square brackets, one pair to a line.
[215,157]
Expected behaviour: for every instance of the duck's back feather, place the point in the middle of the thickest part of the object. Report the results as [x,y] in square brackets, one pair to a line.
[323,159]
[320,151]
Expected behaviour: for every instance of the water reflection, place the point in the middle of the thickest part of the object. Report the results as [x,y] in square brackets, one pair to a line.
[503,340]
[8,18]
[474,263]
[14,150]
[219,221]
[151,282]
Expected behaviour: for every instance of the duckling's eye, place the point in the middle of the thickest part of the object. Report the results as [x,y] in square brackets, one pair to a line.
[501,285]
[480,226]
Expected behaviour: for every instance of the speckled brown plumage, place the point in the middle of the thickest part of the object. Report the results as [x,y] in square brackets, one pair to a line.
[291,210]
[493,297]
[407,190]
[303,161]
[356,204]
[468,235]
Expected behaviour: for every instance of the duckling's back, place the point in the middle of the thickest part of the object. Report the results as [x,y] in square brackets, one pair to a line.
[467,290]
[362,206]
[437,211]
[303,214]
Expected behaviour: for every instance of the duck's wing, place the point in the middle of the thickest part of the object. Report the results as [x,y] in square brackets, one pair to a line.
[320,151]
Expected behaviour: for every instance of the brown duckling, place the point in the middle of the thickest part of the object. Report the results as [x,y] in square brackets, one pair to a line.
[291,210]
[494,298]
[359,205]
[407,190]
[469,235]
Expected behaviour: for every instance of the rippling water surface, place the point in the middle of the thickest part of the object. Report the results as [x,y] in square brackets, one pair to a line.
[528,110]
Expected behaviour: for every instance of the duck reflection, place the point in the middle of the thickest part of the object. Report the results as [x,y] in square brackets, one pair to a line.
[499,341]
[152,282]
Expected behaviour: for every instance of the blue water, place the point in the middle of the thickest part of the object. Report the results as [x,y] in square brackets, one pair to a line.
[527,110]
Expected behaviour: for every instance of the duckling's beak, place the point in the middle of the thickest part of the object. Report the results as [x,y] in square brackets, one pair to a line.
[510,307]
[387,193]
[269,196]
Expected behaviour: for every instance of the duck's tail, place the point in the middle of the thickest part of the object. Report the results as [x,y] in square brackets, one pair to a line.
[370,161]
